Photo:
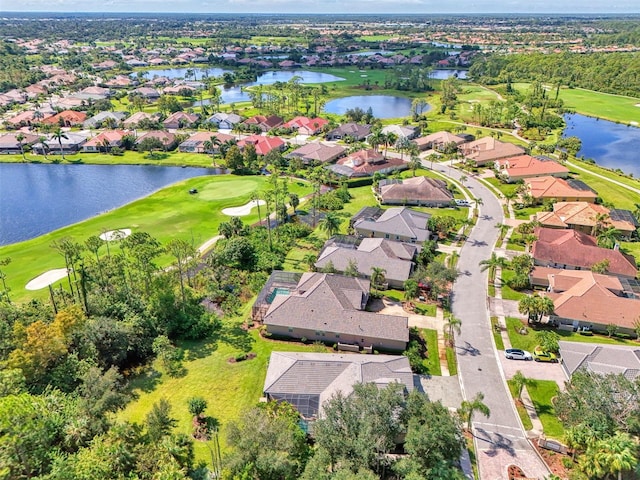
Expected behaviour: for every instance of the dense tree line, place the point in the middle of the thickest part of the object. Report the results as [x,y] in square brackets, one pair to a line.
[605,72]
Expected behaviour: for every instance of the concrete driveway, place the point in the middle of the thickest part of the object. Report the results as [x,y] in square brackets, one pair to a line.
[534,370]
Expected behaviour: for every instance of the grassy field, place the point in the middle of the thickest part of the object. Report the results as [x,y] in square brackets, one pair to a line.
[129,158]
[229,388]
[167,214]
[609,192]
[507,292]
[452,362]
[616,108]
[541,393]
[528,342]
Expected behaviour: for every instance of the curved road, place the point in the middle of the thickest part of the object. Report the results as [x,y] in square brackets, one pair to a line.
[500,439]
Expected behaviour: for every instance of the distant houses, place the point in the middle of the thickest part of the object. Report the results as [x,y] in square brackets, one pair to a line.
[352,130]
[317,152]
[487,150]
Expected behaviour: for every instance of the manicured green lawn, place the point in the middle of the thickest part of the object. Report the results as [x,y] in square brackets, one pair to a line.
[507,292]
[129,158]
[497,338]
[167,214]
[229,388]
[616,108]
[603,105]
[452,362]
[522,412]
[541,393]
[529,342]
[609,192]
[432,362]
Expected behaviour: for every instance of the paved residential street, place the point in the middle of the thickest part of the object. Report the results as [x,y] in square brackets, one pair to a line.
[500,439]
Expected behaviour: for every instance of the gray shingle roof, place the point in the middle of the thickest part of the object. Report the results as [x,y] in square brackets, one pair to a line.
[399,221]
[601,358]
[293,375]
[334,303]
[394,257]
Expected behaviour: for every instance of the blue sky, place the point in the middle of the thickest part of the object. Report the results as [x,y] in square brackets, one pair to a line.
[325,6]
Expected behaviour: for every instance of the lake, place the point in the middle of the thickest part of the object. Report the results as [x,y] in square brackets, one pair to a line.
[610,144]
[383,106]
[444,73]
[36,199]
[237,94]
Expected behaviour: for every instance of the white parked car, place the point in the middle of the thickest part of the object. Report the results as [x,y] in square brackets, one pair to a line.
[517,354]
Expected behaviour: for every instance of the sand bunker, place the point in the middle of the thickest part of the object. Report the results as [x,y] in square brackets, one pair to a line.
[244,210]
[112,235]
[46,279]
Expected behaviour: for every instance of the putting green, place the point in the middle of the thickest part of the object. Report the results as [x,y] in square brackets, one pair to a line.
[229,189]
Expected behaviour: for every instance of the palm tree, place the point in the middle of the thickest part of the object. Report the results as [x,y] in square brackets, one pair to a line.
[510,195]
[463,178]
[608,238]
[415,163]
[519,381]
[432,157]
[330,224]
[19,139]
[504,228]
[378,277]
[403,144]
[535,307]
[469,408]
[310,259]
[255,196]
[452,326]
[376,139]
[492,264]
[529,238]
[215,142]
[601,222]
[58,135]
[619,453]
[389,139]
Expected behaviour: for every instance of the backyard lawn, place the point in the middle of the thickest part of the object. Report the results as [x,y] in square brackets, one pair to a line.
[609,192]
[509,293]
[229,388]
[167,214]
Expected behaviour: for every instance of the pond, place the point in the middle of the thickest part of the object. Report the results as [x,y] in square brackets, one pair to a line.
[237,94]
[444,73]
[36,198]
[610,144]
[383,106]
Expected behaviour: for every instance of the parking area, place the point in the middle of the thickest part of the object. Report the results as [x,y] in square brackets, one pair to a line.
[535,370]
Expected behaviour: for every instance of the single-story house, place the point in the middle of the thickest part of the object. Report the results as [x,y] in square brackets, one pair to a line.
[396,258]
[29,117]
[66,118]
[318,152]
[180,120]
[517,168]
[265,123]
[225,121]
[400,224]
[9,144]
[420,191]
[99,119]
[559,190]
[574,250]
[147,93]
[306,125]
[263,144]
[331,308]
[136,118]
[104,141]
[308,380]
[365,163]
[353,130]
[167,139]
[583,299]
[600,358]
[93,93]
[401,131]
[438,141]
[72,144]
[583,216]
[196,142]
[487,150]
